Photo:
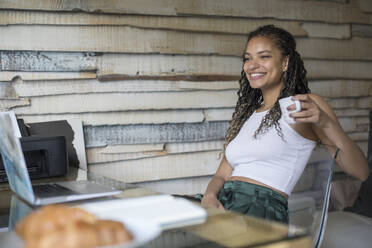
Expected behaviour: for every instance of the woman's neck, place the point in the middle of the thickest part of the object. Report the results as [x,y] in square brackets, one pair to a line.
[269,98]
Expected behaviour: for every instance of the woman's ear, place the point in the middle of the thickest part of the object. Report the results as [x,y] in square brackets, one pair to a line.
[285,63]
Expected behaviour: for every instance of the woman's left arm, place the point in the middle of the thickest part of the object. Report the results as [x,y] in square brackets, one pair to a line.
[326,126]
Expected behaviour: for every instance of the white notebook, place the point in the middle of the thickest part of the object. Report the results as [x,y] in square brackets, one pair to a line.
[165,210]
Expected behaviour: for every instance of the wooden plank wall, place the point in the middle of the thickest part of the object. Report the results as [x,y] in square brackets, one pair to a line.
[155,82]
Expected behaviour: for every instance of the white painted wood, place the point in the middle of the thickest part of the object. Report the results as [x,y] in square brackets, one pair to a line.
[30,76]
[365,5]
[128,101]
[166,65]
[122,118]
[58,87]
[363,146]
[224,114]
[353,124]
[280,9]
[356,48]
[7,91]
[132,148]
[362,103]
[189,23]
[159,168]
[335,69]
[359,136]
[96,155]
[341,88]
[216,85]
[214,145]
[122,39]
[109,6]
[182,186]
[325,30]
[139,151]
[351,112]
[6,104]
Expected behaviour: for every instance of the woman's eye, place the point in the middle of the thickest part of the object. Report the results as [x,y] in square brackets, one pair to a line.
[245,59]
[265,56]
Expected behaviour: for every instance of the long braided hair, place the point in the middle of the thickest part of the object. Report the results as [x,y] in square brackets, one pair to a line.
[250,99]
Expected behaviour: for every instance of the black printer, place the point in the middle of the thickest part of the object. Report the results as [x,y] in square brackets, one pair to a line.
[45,156]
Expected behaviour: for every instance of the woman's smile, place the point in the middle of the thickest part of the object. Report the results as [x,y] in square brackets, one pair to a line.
[256,76]
[264,64]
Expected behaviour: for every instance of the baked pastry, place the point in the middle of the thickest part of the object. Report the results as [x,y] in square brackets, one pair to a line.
[59,226]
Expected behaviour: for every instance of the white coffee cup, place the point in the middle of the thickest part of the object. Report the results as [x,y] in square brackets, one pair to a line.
[284,104]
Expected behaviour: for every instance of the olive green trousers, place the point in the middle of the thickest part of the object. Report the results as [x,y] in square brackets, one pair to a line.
[254,200]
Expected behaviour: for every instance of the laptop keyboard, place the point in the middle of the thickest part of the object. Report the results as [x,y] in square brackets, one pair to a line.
[48,190]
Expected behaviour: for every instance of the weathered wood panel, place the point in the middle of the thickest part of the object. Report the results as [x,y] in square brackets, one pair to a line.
[6,104]
[115,6]
[182,186]
[58,87]
[194,146]
[333,69]
[198,24]
[161,133]
[122,118]
[354,124]
[361,103]
[129,152]
[124,39]
[359,136]
[166,167]
[187,132]
[361,30]
[94,156]
[129,101]
[281,9]
[341,88]
[224,114]
[363,146]
[47,61]
[365,5]
[117,39]
[354,48]
[30,76]
[335,31]
[351,112]
[7,91]
[157,66]
[132,148]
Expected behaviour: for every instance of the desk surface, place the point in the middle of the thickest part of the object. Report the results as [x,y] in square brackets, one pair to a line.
[222,228]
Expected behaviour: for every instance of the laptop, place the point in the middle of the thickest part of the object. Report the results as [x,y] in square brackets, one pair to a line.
[19,179]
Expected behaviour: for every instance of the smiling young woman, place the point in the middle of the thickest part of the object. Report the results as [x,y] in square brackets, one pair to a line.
[264,65]
[264,155]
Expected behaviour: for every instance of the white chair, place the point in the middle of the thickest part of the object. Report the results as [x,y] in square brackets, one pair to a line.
[308,204]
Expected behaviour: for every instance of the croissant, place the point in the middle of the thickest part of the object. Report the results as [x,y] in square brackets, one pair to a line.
[59,226]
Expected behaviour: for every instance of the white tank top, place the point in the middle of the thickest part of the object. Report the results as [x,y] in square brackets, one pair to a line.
[269,159]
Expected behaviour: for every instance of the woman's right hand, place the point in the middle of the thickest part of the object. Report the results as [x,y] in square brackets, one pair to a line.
[211,201]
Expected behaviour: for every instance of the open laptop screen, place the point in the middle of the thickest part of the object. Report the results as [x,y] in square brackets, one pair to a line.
[14,162]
